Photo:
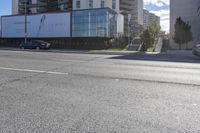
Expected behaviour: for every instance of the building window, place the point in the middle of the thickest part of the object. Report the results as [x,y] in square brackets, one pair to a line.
[102,4]
[113,4]
[93,23]
[90,3]
[78,4]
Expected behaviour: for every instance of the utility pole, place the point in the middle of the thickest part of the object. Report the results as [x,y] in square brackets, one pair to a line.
[25,28]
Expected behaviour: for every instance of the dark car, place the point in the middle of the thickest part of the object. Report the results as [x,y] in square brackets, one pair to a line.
[196,50]
[35,45]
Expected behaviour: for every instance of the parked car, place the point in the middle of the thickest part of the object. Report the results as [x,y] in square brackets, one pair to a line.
[196,50]
[37,44]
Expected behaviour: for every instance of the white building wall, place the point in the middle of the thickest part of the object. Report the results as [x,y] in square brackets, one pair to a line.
[187,10]
[120,24]
[154,18]
[15,7]
[135,9]
[150,17]
[54,25]
[146,18]
[140,11]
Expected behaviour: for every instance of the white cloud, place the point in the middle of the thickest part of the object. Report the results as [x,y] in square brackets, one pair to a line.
[159,4]
[164,14]
[164,19]
[154,2]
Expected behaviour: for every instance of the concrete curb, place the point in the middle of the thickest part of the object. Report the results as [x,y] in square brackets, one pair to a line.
[76,51]
[168,54]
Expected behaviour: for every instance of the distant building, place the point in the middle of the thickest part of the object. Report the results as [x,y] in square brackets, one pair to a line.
[85,29]
[154,18]
[146,18]
[134,10]
[188,11]
[40,6]
[89,18]
[88,4]
[150,17]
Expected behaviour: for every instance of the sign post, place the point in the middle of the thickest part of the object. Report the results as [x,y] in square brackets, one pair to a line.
[25,14]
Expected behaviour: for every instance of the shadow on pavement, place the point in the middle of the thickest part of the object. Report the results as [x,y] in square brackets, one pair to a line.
[163,57]
[172,56]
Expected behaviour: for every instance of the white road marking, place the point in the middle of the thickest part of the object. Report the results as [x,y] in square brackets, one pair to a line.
[116,79]
[14,51]
[33,71]
[80,61]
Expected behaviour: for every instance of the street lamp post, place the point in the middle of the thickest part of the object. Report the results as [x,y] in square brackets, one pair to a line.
[129,19]
[25,28]
[115,25]
[128,33]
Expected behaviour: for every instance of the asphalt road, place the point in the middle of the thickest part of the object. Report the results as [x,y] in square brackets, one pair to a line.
[43,92]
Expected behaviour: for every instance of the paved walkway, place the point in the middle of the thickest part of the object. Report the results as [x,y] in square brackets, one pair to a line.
[168,54]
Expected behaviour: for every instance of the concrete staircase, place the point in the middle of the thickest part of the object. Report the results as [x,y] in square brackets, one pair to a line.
[135,44]
[158,45]
[133,47]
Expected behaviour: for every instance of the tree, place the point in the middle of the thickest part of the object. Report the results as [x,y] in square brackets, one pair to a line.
[188,34]
[198,11]
[147,39]
[183,32]
[148,35]
[154,29]
[178,36]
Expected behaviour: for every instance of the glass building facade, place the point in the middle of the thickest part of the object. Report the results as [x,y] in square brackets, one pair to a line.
[94,23]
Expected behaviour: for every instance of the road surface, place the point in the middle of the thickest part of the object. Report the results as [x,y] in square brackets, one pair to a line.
[46,92]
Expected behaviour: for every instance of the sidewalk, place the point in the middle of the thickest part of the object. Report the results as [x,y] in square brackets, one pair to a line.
[169,54]
[179,53]
[75,51]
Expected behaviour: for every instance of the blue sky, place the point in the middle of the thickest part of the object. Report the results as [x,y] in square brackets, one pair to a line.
[5,7]
[154,7]
[159,7]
